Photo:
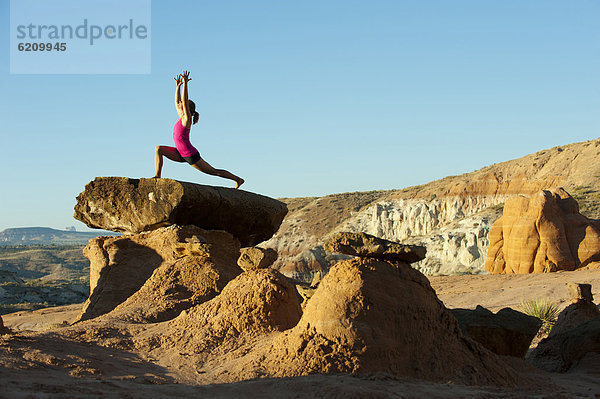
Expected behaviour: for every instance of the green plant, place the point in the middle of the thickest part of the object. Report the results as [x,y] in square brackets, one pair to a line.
[544,310]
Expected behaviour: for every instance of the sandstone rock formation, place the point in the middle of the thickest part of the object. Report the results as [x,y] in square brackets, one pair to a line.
[507,332]
[357,321]
[451,216]
[160,273]
[542,233]
[256,258]
[365,245]
[136,205]
[257,302]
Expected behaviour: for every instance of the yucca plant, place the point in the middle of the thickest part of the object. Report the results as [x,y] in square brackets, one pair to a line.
[544,310]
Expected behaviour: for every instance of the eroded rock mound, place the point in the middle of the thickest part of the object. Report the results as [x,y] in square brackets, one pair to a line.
[542,233]
[256,303]
[159,273]
[366,245]
[136,205]
[367,316]
[507,332]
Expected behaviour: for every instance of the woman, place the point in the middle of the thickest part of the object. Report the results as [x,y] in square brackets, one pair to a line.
[184,151]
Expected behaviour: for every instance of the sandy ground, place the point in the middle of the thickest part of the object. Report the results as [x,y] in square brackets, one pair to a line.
[49,365]
[42,319]
[496,291]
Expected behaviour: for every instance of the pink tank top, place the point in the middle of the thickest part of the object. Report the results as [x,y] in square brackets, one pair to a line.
[181,136]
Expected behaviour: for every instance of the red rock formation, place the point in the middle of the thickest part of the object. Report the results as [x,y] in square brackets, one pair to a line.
[542,233]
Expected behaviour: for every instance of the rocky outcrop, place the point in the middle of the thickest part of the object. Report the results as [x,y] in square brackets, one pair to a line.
[368,246]
[581,309]
[459,247]
[399,219]
[255,303]
[575,333]
[563,350]
[133,206]
[542,233]
[252,258]
[451,216]
[507,332]
[357,322]
[159,273]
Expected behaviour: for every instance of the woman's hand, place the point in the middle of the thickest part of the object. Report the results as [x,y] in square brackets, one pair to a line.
[186,76]
[178,80]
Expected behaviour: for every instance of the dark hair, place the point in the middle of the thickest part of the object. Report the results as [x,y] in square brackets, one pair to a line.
[195,115]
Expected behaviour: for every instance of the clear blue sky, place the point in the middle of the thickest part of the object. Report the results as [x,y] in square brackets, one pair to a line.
[311,97]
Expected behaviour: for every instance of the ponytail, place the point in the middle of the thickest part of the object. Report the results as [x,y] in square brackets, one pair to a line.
[195,115]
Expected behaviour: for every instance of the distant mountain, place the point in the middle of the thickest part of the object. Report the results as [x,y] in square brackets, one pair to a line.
[47,236]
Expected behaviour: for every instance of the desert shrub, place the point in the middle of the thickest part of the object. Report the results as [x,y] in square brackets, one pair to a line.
[544,310]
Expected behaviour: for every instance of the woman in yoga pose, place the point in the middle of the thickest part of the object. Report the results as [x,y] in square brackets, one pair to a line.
[184,151]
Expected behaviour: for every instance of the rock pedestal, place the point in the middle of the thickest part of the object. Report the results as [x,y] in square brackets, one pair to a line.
[581,309]
[133,206]
[575,333]
[153,276]
[580,292]
[368,246]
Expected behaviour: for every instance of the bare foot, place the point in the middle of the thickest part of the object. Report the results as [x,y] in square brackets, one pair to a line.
[156,177]
[239,183]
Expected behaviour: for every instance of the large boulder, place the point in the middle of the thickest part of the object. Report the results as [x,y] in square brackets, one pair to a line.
[133,206]
[507,332]
[368,246]
[153,276]
[542,233]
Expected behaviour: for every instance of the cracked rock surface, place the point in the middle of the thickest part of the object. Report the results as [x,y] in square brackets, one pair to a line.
[133,206]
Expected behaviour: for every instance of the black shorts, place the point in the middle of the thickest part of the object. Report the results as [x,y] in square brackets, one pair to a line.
[191,159]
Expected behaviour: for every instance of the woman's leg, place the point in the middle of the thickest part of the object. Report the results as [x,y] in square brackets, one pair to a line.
[205,167]
[169,152]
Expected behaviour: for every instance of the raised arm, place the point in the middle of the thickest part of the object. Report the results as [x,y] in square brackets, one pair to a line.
[179,81]
[185,77]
